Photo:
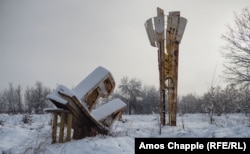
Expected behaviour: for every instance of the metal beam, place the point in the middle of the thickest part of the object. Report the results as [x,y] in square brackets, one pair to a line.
[167,40]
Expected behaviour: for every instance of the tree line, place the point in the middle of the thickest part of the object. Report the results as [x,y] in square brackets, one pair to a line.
[32,100]
[140,99]
[145,99]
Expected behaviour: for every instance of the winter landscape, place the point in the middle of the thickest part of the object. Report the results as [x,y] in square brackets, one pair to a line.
[57,44]
[34,136]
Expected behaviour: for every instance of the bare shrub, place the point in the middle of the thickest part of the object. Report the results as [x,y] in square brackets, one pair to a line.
[27,119]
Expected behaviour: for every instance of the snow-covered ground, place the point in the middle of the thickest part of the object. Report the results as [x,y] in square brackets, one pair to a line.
[17,137]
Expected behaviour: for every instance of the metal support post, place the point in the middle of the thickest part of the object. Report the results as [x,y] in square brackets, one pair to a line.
[168,56]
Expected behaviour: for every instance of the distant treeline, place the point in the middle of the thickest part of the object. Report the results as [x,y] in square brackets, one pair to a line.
[144,100]
[139,99]
[32,100]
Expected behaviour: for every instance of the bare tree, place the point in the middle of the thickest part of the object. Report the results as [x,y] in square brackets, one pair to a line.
[229,97]
[150,100]
[210,102]
[35,98]
[190,104]
[243,100]
[237,49]
[131,91]
[18,96]
[3,105]
[28,99]
[11,99]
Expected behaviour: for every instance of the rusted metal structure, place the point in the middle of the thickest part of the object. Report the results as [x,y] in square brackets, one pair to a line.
[80,103]
[166,36]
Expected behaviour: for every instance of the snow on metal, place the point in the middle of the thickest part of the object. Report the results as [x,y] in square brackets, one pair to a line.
[81,100]
[92,81]
[107,109]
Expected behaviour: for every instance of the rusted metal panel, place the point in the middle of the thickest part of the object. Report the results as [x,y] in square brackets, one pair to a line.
[162,82]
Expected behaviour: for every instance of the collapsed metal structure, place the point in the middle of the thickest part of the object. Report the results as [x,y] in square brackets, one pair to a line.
[80,102]
[167,40]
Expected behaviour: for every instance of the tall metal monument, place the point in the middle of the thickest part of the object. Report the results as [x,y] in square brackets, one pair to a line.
[165,33]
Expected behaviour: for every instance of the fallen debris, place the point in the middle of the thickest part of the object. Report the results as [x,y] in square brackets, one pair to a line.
[81,101]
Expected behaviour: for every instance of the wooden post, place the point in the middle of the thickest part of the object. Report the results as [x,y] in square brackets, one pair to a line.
[64,114]
[54,127]
[69,126]
[61,132]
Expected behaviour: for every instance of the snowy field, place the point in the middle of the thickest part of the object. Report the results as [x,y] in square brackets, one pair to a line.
[17,137]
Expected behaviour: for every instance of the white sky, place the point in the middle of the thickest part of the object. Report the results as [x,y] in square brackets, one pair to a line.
[61,42]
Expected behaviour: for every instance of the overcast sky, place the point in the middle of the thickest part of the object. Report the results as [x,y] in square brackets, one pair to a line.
[61,42]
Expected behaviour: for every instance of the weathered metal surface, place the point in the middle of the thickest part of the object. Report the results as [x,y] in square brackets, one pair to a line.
[168,56]
[150,32]
[82,100]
